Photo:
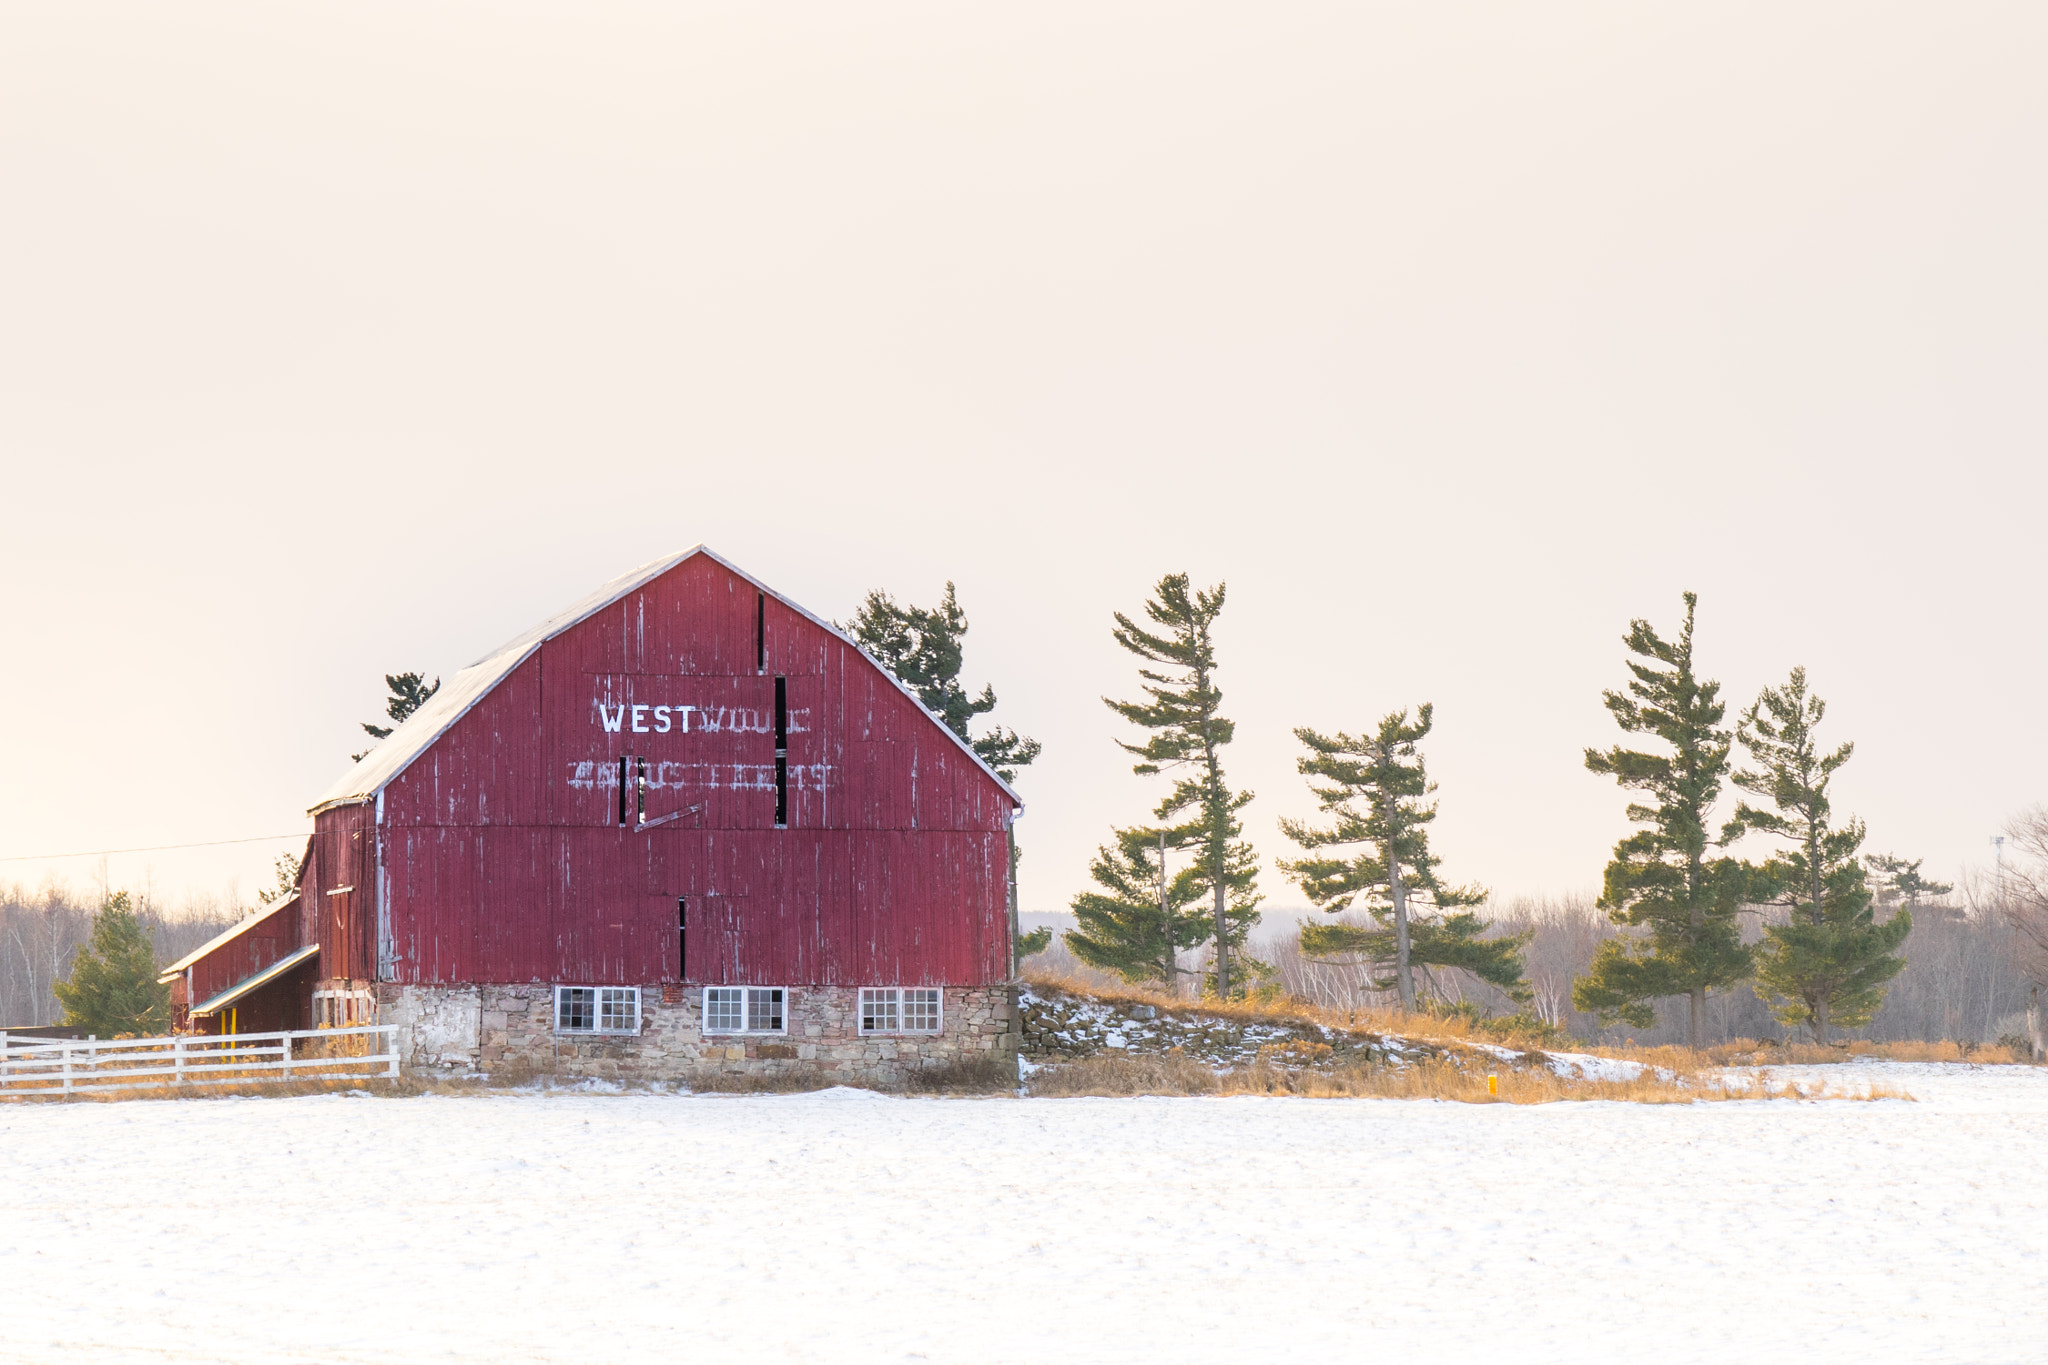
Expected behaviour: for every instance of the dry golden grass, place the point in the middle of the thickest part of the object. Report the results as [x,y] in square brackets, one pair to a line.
[1177,1074]
[1744,1052]
[1180,1075]
[749,1083]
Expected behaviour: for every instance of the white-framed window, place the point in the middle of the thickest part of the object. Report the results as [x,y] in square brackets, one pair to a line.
[597,1009]
[900,1009]
[746,1009]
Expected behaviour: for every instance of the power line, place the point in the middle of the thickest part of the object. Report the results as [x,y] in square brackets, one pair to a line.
[154,848]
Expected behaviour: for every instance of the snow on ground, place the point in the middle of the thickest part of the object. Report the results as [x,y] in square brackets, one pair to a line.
[847,1227]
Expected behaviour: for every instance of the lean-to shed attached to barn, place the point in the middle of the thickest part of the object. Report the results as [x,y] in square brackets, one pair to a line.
[683,825]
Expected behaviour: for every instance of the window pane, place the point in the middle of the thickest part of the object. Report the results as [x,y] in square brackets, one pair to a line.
[722,1010]
[618,1009]
[764,1011]
[871,1008]
[877,1010]
[575,1009]
[921,1011]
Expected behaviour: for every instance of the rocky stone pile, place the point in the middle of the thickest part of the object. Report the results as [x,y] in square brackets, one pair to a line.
[1061,1027]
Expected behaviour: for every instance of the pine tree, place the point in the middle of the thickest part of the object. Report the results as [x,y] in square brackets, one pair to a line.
[922,647]
[1373,788]
[1830,962]
[112,989]
[1140,921]
[1188,732]
[1897,883]
[1660,877]
[409,692]
[287,866]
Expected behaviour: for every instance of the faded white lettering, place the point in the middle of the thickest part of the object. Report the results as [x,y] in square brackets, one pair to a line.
[667,718]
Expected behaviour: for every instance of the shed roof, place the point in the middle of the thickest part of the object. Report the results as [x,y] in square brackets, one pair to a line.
[223,939]
[417,733]
[250,983]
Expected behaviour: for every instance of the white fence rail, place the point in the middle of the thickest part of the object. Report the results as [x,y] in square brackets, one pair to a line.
[63,1066]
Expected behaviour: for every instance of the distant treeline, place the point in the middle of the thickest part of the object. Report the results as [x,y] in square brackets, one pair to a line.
[1962,981]
[41,930]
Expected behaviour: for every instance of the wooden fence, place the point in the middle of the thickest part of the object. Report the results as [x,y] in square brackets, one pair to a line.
[69,1065]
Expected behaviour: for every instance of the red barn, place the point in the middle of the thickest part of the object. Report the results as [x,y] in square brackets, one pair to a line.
[684,826]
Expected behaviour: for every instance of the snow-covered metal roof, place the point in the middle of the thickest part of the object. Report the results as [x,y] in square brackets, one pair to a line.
[414,735]
[229,936]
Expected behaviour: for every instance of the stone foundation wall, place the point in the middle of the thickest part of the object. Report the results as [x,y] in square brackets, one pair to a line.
[509,1029]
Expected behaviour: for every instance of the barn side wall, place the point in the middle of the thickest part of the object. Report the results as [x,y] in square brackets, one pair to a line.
[507,1030]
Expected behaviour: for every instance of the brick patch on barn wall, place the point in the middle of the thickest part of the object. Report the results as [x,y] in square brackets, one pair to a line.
[509,1029]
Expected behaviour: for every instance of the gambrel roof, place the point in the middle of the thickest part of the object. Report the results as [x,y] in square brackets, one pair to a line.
[417,733]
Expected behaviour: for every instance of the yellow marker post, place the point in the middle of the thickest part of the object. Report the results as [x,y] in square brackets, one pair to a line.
[1493,1085]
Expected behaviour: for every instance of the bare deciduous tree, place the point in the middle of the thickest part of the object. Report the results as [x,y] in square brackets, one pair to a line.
[2020,894]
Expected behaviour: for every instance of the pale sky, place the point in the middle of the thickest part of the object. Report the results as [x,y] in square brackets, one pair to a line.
[343,339]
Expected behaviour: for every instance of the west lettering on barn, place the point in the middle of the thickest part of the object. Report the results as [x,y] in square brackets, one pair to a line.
[683,826]
[664,718]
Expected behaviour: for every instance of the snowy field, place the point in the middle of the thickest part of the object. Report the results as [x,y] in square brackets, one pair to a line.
[844,1226]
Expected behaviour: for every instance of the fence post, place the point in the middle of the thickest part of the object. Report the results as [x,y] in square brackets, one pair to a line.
[286,1040]
[178,1060]
[391,1043]
[67,1068]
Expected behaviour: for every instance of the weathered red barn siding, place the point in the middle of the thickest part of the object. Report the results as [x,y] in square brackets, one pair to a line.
[503,859]
[274,936]
[338,892]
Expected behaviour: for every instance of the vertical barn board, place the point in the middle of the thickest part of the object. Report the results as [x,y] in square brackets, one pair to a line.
[677,861]
[434,873]
[994,907]
[448,913]
[952,789]
[706,621]
[485,767]
[874,961]
[762,940]
[715,944]
[264,942]
[402,866]
[590,942]
[833,960]
[800,952]
[941,931]
[344,841]
[513,930]
[812,774]
[609,928]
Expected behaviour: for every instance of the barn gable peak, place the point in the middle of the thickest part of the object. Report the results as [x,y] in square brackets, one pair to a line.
[418,732]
